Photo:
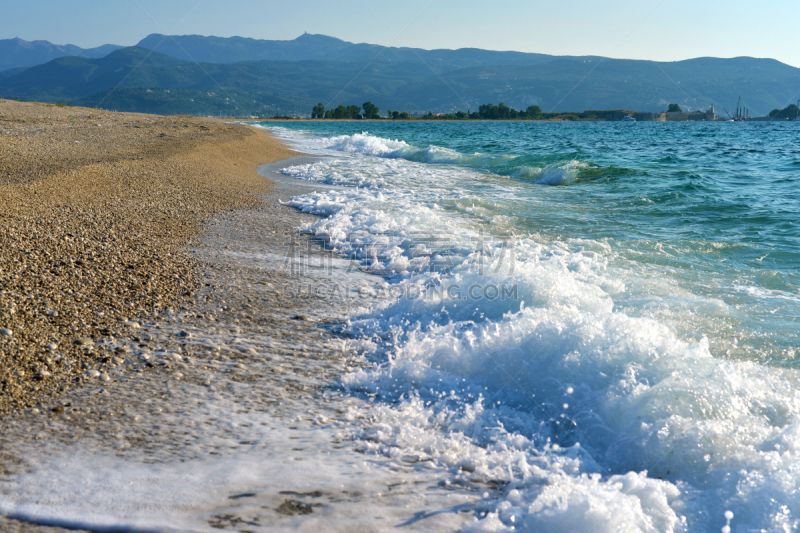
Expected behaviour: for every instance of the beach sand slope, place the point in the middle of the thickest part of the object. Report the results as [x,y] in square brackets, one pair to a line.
[96,210]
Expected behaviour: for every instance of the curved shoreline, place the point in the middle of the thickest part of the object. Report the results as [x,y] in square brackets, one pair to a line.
[221,409]
[212,180]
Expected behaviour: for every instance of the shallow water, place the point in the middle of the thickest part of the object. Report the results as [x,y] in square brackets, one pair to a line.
[599,318]
[562,327]
[226,414]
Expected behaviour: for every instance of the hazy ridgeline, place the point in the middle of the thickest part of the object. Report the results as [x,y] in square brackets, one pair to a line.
[237,76]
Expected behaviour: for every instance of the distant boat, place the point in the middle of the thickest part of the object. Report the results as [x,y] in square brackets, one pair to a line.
[629,119]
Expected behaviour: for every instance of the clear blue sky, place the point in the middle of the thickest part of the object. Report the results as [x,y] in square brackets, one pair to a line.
[663,30]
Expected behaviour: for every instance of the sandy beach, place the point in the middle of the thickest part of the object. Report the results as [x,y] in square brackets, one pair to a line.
[97,209]
[99,213]
[173,359]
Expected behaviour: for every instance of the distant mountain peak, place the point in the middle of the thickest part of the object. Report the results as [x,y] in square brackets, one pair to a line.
[212,49]
[307,35]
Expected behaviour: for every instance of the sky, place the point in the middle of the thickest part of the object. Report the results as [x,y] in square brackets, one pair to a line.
[662,30]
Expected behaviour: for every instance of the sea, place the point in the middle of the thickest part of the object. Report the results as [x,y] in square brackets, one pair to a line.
[602,319]
[544,327]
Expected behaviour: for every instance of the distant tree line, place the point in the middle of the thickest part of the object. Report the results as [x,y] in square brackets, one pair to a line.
[484,112]
[503,112]
[790,113]
[397,115]
[351,112]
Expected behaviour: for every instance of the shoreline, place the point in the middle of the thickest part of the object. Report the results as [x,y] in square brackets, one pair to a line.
[259,405]
[98,209]
[241,332]
[235,391]
[422,119]
[67,373]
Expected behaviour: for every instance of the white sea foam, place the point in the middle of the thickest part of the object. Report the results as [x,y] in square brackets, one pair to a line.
[597,419]
[371,145]
[565,387]
[256,464]
[560,174]
[367,144]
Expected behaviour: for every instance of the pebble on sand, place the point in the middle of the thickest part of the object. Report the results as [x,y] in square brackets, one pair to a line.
[93,373]
[6,332]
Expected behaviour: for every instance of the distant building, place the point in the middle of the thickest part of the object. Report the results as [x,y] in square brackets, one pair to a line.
[650,117]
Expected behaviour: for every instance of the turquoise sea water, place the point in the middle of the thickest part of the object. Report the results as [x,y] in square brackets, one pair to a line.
[645,376]
[712,207]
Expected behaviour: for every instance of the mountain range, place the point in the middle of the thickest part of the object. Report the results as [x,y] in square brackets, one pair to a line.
[17,53]
[210,75]
[324,48]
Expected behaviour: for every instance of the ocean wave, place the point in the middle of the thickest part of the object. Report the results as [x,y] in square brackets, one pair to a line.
[366,144]
[516,167]
[555,174]
[572,403]
[566,173]
[590,392]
